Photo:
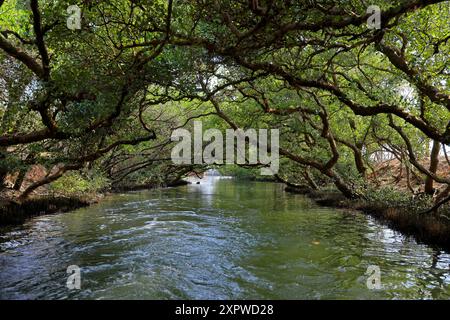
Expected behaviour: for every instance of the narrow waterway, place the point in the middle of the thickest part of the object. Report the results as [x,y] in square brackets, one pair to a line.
[221,239]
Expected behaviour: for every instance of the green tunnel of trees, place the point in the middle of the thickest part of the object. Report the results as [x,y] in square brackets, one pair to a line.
[102,101]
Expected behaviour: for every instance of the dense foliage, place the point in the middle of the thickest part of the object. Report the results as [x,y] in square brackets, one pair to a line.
[103,100]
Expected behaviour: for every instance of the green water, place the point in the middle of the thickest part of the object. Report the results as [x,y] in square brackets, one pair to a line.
[221,239]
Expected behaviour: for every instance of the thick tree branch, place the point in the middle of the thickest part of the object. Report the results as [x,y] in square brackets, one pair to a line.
[37,26]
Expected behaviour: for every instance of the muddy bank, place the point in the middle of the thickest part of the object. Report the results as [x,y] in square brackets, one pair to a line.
[149,186]
[424,228]
[12,212]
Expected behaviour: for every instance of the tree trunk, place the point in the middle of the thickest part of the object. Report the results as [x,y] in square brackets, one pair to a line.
[3,168]
[345,190]
[342,186]
[434,163]
[19,179]
[310,180]
[359,162]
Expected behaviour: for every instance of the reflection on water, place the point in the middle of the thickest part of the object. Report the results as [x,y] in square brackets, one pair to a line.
[221,239]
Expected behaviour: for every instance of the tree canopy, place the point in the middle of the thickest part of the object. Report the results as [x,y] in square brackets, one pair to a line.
[343,94]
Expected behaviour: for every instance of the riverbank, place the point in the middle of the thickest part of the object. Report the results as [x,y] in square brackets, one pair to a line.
[178,183]
[13,212]
[424,228]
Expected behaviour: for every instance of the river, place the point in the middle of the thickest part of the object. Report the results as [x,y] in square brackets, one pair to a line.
[221,239]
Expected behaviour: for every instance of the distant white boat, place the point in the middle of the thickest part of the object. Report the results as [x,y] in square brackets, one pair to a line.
[212,173]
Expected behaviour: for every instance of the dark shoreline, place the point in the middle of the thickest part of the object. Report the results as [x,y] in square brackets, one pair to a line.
[16,213]
[426,229]
[178,183]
